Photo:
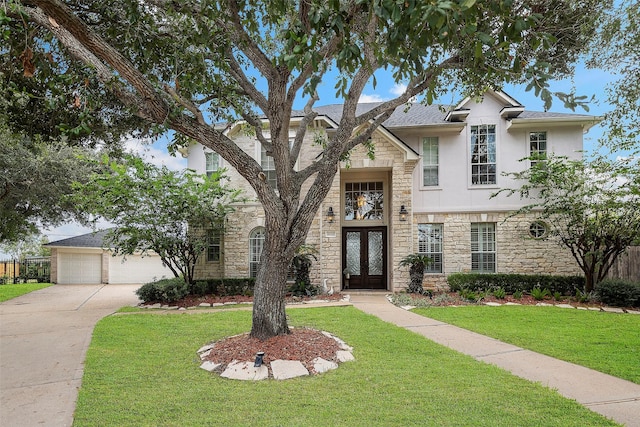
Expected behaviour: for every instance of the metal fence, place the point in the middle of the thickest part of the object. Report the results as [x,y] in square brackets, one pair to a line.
[627,266]
[31,269]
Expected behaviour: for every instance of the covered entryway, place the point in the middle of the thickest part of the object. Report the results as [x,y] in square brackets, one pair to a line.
[364,257]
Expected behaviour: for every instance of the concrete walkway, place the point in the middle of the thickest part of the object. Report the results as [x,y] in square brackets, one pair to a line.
[44,337]
[610,396]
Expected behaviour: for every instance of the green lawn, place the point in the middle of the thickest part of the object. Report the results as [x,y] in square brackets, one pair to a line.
[11,291]
[142,370]
[606,342]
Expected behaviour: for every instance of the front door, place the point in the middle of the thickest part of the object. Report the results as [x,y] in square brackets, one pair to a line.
[364,260]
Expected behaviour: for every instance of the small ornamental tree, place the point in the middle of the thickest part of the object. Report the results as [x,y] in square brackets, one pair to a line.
[592,208]
[155,209]
[185,66]
[417,264]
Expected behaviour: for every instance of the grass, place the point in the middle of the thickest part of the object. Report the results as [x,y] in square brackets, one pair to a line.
[606,342]
[142,370]
[8,292]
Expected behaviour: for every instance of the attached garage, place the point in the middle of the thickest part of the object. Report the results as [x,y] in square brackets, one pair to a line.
[83,260]
[75,268]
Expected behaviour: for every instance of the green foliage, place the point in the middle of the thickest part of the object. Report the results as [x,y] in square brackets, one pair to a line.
[517,294]
[165,290]
[10,291]
[584,296]
[155,209]
[417,262]
[35,181]
[470,295]
[592,207]
[225,287]
[540,294]
[558,296]
[405,299]
[499,293]
[619,293]
[301,263]
[513,283]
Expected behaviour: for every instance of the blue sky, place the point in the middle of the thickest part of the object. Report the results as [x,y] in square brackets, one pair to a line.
[587,82]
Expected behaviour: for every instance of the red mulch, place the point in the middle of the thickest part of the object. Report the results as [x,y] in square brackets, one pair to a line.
[302,344]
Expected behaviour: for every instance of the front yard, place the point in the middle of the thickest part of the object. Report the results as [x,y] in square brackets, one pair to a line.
[142,369]
[8,292]
[606,342]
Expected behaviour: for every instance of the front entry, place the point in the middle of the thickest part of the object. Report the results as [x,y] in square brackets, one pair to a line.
[364,258]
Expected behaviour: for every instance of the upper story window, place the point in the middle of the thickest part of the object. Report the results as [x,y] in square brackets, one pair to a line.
[269,168]
[430,244]
[430,160]
[483,154]
[364,201]
[483,247]
[537,146]
[212,162]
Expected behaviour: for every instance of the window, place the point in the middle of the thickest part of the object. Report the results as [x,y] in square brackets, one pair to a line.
[364,201]
[214,238]
[269,168]
[537,146]
[212,162]
[538,229]
[430,244]
[256,243]
[483,247]
[483,154]
[430,161]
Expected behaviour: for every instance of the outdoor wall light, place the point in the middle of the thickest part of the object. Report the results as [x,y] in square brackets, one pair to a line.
[403,213]
[330,215]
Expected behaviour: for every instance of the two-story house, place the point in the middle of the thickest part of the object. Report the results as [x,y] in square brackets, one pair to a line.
[427,190]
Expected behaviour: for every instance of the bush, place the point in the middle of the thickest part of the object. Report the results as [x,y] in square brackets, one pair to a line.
[164,291]
[619,293]
[224,287]
[512,283]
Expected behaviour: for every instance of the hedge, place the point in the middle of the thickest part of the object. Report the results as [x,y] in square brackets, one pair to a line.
[619,293]
[511,283]
[224,287]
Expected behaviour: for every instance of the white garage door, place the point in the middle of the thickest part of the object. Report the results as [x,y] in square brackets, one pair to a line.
[136,269]
[79,268]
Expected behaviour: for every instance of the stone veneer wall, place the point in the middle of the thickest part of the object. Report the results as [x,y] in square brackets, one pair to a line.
[516,250]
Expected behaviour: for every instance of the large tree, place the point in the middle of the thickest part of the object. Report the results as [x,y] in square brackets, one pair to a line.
[172,213]
[35,180]
[620,33]
[592,207]
[185,65]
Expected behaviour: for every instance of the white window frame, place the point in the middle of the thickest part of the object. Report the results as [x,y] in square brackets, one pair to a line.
[214,245]
[534,143]
[209,166]
[430,161]
[256,245]
[483,247]
[430,243]
[483,154]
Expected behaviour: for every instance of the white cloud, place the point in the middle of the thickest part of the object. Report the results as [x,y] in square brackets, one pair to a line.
[155,153]
[398,89]
[364,98]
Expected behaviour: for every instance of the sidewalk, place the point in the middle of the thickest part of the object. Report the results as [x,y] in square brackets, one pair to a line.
[610,396]
[44,337]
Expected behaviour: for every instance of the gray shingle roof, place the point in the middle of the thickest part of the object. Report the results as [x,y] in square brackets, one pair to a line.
[424,115]
[90,240]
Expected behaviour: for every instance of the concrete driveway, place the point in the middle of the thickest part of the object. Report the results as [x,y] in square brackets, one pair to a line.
[44,337]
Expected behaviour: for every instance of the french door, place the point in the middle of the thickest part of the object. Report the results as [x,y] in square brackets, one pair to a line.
[364,257]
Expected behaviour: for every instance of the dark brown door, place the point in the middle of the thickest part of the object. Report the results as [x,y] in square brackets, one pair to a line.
[364,258]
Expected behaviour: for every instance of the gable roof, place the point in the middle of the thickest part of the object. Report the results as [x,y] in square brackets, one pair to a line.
[90,240]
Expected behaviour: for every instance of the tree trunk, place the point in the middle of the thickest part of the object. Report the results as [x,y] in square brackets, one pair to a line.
[269,317]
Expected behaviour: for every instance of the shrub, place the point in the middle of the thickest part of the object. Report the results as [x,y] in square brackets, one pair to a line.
[512,283]
[499,293]
[164,291]
[619,293]
[540,294]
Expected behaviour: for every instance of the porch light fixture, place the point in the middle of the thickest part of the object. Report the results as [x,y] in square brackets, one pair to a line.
[330,215]
[403,213]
